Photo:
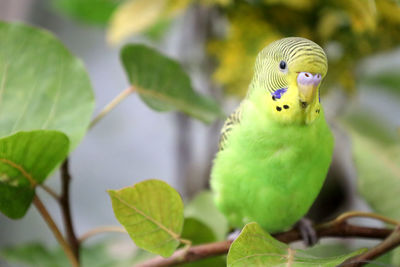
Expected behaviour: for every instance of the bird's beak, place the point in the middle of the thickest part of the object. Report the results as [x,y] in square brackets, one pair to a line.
[308,86]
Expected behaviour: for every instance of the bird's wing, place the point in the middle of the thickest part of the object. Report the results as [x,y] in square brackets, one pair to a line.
[231,122]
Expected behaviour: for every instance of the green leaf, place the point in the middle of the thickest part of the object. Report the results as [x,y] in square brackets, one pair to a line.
[219,261]
[163,85]
[89,11]
[255,247]
[328,250]
[26,159]
[393,257]
[371,126]
[152,213]
[203,208]
[42,85]
[96,255]
[197,232]
[384,260]
[385,80]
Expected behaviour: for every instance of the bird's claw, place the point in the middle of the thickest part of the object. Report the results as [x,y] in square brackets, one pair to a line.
[307,232]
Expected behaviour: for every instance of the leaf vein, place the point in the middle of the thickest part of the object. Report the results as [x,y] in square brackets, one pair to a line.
[21,170]
[170,232]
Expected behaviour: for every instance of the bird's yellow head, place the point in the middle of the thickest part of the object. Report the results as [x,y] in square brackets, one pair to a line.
[288,74]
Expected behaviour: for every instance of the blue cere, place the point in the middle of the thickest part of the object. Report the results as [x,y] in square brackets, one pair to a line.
[278,93]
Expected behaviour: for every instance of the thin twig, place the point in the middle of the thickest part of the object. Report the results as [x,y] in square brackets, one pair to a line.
[66,209]
[53,227]
[392,241]
[101,230]
[110,106]
[50,191]
[371,215]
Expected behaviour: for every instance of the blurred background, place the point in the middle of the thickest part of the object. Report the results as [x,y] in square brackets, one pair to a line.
[217,42]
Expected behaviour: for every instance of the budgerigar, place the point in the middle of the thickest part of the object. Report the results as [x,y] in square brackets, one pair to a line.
[276,148]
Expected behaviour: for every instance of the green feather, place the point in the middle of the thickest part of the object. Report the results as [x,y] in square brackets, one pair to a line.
[273,163]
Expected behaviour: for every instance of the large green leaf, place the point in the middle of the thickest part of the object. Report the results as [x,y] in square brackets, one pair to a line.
[152,213]
[163,85]
[42,85]
[203,208]
[255,247]
[26,159]
[90,11]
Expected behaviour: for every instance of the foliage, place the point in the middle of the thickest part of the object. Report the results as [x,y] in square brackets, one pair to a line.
[34,103]
[202,208]
[163,85]
[255,247]
[26,159]
[152,214]
[39,80]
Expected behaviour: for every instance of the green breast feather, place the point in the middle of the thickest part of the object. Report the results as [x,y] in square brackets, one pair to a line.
[276,148]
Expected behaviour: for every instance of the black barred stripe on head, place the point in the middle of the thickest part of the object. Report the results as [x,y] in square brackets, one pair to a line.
[267,73]
[232,121]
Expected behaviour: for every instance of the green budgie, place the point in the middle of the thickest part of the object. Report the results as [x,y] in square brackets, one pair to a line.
[276,148]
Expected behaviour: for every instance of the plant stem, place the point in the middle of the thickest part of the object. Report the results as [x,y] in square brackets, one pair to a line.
[370,215]
[392,241]
[101,230]
[53,227]
[66,209]
[110,106]
[50,191]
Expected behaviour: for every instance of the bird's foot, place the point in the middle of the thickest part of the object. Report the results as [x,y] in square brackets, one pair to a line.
[233,235]
[307,232]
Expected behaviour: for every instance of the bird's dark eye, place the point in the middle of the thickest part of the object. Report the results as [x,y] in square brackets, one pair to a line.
[282,65]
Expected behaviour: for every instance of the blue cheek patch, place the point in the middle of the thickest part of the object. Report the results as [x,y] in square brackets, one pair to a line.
[278,93]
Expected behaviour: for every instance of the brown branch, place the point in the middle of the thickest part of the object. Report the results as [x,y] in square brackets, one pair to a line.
[392,241]
[66,209]
[330,229]
[53,227]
